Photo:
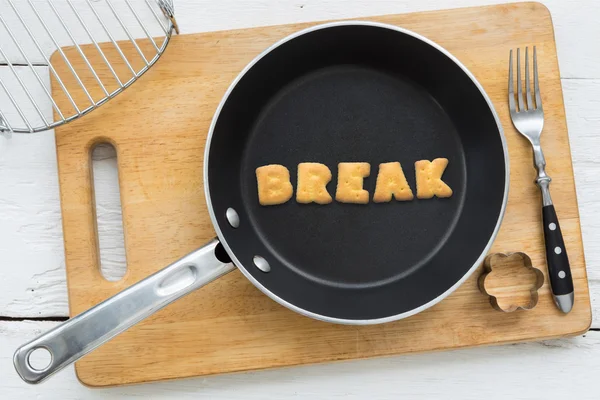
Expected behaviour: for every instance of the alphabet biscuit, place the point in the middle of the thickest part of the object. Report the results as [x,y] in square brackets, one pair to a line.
[429,178]
[350,183]
[312,183]
[391,181]
[274,186]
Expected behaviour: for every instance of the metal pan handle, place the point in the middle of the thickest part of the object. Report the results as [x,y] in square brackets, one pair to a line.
[78,336]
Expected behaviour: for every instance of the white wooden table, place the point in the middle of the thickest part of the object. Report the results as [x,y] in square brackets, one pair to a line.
[33,295]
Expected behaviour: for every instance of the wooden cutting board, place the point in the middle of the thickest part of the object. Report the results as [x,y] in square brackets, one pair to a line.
[159,127]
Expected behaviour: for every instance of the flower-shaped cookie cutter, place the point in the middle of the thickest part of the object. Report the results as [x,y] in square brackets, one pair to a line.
[488,265]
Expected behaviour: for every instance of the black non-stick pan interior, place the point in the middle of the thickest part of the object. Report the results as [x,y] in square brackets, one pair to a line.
[358,93]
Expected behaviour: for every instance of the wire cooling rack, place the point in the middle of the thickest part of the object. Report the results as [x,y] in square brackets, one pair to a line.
[36,36]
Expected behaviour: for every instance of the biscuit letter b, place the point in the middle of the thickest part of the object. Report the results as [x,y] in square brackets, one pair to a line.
[274,185]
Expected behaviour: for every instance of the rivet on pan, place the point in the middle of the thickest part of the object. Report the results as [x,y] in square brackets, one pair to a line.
[232,217]
[261,264]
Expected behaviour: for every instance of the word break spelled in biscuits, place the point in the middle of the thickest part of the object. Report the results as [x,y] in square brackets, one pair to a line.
[275,187]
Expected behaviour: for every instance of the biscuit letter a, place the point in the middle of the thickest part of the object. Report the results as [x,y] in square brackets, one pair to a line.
[391,181]
[274,185]
[429,178]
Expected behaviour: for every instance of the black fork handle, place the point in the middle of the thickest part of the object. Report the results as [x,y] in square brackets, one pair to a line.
[559,268]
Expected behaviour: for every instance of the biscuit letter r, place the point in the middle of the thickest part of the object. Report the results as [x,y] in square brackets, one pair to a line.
[312,181]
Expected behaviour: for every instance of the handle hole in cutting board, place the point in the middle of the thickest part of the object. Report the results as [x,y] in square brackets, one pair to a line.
[108,212]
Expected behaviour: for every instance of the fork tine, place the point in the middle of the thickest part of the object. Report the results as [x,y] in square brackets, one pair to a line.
[527,85]
[511,84]
[536,86]
[519,84]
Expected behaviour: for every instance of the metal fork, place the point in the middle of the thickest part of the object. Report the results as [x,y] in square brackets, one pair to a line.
[528,119]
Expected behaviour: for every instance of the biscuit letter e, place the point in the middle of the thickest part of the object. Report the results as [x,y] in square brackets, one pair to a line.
[350,183]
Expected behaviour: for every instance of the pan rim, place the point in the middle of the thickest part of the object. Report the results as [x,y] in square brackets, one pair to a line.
[293,307]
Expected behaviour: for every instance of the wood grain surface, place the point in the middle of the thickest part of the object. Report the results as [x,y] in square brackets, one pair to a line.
[159,128]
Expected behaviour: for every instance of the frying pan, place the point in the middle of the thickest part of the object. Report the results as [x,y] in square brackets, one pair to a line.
[338,92]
